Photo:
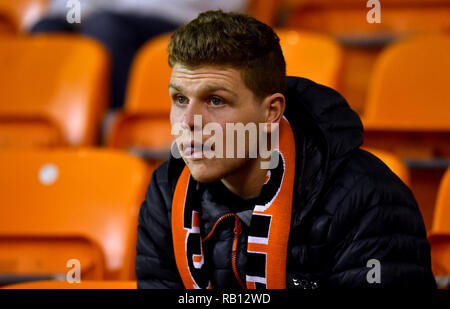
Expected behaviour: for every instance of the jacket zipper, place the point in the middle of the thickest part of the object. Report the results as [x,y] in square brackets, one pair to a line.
[237,232]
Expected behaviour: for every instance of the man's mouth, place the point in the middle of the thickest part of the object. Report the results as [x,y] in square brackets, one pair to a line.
[194,150]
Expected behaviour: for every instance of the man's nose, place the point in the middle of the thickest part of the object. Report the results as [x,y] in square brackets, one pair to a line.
[193,117]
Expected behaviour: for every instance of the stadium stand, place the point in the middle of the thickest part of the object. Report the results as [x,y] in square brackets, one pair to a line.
[347,18]
[59,205]
[362,41]
[53,91]
[18,15]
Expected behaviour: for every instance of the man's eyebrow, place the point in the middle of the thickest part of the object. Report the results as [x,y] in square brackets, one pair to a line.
[208,88]
[216,88]
[176,87]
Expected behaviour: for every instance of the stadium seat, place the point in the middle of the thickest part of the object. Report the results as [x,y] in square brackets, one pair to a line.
[311,55]
[21,14]
[408,107]
[69,206]
[143,124]
[409,86]
[439,236]
[90,285]
[394,163]
[53,91]
[408,111]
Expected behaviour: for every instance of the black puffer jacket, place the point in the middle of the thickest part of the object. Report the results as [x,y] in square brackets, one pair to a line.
[349,208]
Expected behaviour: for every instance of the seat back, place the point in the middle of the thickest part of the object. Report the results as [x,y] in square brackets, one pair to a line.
[311,55]
[53,90]
[409,86]
[63,206]
[408,106]
[144,122]
[149,80]
[21,14]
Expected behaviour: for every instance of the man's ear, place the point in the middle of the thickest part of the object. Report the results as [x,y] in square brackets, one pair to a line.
[274,106]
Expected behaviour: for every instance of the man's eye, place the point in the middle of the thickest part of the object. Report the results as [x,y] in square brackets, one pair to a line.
[216,101]
[180,99]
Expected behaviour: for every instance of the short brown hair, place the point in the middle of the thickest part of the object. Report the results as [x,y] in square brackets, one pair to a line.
[236,40]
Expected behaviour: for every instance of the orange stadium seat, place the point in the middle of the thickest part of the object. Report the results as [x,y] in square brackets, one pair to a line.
[21,14]
[143,124]
[439,236]
[408,111]
[311,55]
[61,205]
[90,285]
[409,95]
[53,91]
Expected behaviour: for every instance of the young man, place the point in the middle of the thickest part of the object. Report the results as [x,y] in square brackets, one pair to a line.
[326,214]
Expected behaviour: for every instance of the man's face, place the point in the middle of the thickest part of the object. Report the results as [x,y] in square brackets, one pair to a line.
[220,96]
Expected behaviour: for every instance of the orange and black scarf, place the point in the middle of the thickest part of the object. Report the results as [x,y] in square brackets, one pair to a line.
[268,233]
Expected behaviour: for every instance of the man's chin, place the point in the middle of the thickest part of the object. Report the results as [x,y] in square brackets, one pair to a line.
[204,173]
[210,170]
[205,176]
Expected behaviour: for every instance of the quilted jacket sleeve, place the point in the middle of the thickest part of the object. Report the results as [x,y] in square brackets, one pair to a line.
[155,262]
[380,235]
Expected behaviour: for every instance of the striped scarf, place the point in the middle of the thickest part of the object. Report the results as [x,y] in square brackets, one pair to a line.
[268,232]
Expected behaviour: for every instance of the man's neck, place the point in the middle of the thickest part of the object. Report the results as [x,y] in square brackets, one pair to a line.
[248,181]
